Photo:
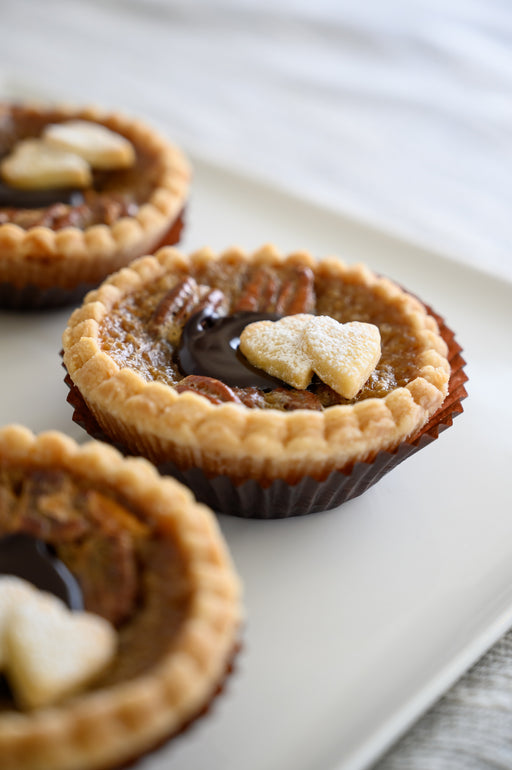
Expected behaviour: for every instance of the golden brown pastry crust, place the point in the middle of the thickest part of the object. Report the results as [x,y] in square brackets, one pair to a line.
[152,419]
[68,257]
[103,728]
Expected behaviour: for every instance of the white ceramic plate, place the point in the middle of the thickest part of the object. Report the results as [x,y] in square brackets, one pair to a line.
[358,618]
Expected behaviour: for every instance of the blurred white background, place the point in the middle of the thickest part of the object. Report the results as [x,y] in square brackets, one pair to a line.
[396,112]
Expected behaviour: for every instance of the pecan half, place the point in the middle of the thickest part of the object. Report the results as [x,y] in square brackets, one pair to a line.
[260,292]
[214,390]
[297,293]
[176,307]
[167,319]
[212,300]
[41,508]
[251,397]
[266,291]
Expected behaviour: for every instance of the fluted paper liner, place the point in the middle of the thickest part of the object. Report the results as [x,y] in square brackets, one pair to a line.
[31,297]
[281,500]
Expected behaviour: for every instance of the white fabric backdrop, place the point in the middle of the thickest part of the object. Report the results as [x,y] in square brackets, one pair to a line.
[398,112]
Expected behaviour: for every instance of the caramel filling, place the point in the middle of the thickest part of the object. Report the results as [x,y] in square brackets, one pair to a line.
[145,331]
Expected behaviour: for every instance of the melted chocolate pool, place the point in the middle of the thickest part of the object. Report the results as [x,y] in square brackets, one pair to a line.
[31,559]
[209,347]
[12,197]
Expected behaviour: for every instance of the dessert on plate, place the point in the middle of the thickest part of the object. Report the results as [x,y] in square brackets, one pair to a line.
[119,605]
[273,385]
[82,193]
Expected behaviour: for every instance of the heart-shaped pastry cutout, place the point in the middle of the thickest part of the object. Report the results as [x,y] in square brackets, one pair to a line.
[50,652]
[34,164]
[13,592]
[276,347]
[97,144]
[342,355]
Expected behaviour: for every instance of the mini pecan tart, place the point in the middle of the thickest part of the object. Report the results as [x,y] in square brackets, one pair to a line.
[353,366]
[119,605]
[82,193]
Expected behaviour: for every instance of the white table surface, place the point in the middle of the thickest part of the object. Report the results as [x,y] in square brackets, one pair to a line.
[396,113]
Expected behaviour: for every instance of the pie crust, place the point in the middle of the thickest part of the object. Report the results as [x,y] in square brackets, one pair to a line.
[151,418]
[125,714]
[41,266]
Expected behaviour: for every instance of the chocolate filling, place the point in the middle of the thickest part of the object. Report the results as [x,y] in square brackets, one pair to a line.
[31,559]
[12,197]
[209,347]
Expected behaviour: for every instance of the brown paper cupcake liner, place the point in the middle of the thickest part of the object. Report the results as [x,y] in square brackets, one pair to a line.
[280,499]
[31,297]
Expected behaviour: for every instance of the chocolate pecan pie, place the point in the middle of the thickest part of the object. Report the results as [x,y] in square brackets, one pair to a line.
[146,559]
[82,192]
[154,354]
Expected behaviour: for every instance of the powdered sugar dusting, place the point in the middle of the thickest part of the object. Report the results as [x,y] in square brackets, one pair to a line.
[276,347]
[343,355]
[295,347]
